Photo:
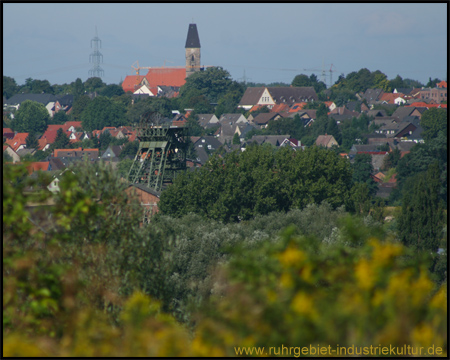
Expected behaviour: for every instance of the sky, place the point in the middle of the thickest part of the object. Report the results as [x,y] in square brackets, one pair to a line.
[263,43]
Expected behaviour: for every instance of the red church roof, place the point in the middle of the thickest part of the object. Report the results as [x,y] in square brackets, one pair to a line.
[131,82]
[166,76]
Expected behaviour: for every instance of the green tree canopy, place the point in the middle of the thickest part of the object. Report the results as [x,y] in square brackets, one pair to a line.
[32,141]
[258,181]
[10,87]
[213,84]
[59,118]
[62,141]
[433,121]
[31,116]
[421,220]
[101,112]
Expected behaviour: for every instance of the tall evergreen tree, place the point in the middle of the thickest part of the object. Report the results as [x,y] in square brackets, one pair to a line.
[32,141]
[421,221]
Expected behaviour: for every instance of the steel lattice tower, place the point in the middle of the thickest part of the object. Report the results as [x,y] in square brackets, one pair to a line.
[96,57]
[161,154]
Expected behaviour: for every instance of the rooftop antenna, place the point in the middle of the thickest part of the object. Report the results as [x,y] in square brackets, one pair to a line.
[96,57]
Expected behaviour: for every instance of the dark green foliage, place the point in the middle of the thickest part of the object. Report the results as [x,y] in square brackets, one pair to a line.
[258,181]
[236,140]
[112,90]
[31,116]
[362,169]
[209,86]
[59,118]
[93,84]
[62,141]
[160,105]
[392,159]
[81,102]
[36,87]
[432,83]
[10,87]
[433,121]
[101,112]
[130,148]
[397,82]
[31,140]
[421,221]
[104,139]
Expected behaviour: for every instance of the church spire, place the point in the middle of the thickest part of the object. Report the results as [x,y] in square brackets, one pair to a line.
[192,50]
[192,40]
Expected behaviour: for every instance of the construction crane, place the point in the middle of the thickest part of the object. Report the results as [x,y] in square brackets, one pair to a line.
[324,75]
[136,66]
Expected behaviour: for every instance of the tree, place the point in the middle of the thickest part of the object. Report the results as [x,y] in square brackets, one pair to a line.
[80,103]
[236,140]
[397,83]
[59,118]
[112,90]
[93,84]
[32,141]
[62,141]
[130,148]
[433,121]
[362,169]
[432,83]
[31,116]
[10,87]
[77,88]
[104,139]
[213,84]
[421,221]
[302,80]
[258,181]
[101,112]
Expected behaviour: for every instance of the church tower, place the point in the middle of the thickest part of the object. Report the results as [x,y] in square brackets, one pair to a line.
[192,50]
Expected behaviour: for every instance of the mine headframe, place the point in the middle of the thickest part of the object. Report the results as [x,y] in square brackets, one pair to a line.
[161,154]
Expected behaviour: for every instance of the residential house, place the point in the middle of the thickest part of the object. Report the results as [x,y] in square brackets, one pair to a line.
[270,96]
[404,111]
[38,166]
[397,130]
[372,96]
[262,119]
[396,98]
[57,177]
[205,119]
[437,94]
[112,152]
[23,152]
[274,140]
[377,156]
[326,141]
[8,134]
[293,144]
[296,107]
[442,84]
[8,150]
[331,105]
[147,198]
[376,113]
[18,141]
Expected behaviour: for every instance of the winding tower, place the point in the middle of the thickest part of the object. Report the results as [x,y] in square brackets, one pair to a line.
[161,154]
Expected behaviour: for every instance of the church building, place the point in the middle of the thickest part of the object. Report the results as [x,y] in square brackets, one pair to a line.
[174,77]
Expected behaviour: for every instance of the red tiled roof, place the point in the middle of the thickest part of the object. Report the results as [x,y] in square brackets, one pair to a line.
[50,135]
[131,82]
[390,97]
[75,124]
[297,107]
[424,104]
[7,130]
[17,140]
[166,76]
[279,108]
[35,166]
[42,143]
[442,84]
[55,127]
[132,135]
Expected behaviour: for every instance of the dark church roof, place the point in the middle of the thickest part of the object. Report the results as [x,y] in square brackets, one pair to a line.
[192,40]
